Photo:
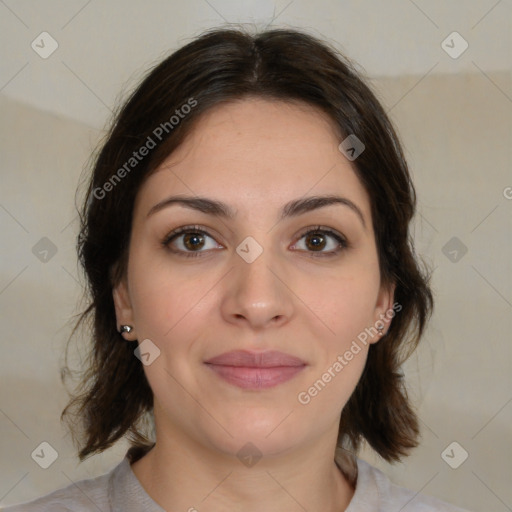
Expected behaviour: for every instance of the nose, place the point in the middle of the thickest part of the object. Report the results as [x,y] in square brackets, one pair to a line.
[258,294]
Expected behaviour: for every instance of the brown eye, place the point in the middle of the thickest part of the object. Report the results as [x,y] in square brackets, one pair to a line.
[321,242]
[193,241]
[315,242]
[189,241]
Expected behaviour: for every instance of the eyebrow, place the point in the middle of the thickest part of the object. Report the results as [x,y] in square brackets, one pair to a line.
[290,209]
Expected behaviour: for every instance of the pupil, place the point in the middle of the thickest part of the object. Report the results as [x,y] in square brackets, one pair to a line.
[316,241]
[193,241]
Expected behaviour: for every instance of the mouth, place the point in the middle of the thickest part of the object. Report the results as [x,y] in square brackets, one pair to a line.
[251,370]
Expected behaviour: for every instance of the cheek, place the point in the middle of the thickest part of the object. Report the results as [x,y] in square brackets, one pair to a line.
[161,292]
[341,359]
[351,307]
[344,302]
[166,294]
[174,303]
[163,301]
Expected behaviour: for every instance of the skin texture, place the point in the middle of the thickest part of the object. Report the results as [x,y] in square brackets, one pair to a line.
[254,155]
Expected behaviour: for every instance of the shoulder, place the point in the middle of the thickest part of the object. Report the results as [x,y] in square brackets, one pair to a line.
[84,495]
[374,491]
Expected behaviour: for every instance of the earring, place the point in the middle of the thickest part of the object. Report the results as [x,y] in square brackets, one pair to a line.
[380,328]
[126,328]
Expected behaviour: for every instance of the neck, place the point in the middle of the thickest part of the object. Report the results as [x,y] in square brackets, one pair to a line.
[180,475]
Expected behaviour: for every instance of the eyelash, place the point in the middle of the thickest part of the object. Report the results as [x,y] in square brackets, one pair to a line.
[343,244]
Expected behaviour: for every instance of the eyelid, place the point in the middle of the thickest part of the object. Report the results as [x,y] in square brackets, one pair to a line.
[341,239]
[183,230]
[327,231]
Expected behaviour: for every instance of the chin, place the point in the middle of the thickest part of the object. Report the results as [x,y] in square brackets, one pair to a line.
[260,431]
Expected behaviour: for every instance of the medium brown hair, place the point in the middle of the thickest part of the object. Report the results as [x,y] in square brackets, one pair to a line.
[114,398]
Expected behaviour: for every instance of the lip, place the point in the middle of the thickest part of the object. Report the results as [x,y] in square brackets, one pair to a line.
[256,370]
[266,359]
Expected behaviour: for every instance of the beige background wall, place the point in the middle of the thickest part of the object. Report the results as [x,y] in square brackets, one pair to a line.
[455,122]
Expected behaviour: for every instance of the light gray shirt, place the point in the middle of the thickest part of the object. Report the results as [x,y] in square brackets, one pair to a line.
[119,490]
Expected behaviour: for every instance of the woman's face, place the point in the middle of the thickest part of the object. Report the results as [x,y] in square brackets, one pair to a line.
[254,281]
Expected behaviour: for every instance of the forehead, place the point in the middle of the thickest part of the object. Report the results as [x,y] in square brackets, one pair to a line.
[257,153]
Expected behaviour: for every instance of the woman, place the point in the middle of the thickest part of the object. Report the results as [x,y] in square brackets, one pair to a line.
[254,289]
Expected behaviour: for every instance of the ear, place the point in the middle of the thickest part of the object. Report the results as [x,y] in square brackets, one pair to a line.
[384,309]
[123,307]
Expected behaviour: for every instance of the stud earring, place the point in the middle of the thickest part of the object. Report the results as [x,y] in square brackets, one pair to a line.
[126,328]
